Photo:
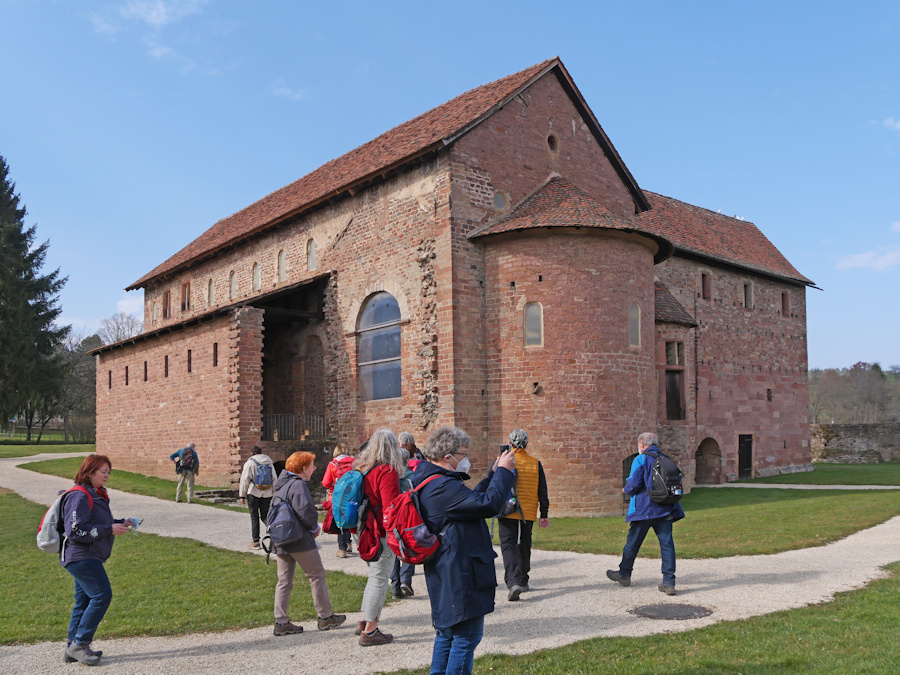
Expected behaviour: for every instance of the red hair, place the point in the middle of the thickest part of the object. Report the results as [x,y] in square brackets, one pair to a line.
[298,462]
[91,464]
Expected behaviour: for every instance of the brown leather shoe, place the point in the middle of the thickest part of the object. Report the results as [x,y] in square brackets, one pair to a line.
[360,627]
[376,638]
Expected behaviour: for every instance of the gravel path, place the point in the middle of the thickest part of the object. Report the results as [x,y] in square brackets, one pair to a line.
[570,600]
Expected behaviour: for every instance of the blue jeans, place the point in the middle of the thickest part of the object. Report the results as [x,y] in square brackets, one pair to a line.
[636,533]
[402,574]
[454,647]
[92,597]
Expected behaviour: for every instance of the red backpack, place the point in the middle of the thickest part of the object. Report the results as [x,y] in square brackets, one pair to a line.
[407,534]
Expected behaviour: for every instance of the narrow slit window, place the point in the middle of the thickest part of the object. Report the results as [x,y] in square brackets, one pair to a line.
[166,365]
[634,325]
[311,255]
[785,304]
[534,324]
[215,354]
[255,276]
[145,371]
[211,293]
[109,386]
[166,303]
[232,286]
[126,376]
[189,361]
[186,296]
[282,265]
[748,296]
[706,286]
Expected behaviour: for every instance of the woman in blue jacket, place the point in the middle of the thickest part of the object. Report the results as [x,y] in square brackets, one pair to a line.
[461,578]
[89,530]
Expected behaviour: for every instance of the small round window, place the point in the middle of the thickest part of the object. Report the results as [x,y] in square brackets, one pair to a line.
[552,143]
[501,201]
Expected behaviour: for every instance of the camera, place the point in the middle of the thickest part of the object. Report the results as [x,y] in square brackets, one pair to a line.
[504,448]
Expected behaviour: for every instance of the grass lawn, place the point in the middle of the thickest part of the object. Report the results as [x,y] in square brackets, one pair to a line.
[149,575]
[723,522]
[840,474]
[126,481]
[856,633]
[15,450]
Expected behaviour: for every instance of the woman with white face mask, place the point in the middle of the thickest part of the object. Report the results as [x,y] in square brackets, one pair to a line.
[461,579]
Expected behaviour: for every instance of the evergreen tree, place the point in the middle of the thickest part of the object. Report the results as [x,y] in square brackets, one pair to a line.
[29,357]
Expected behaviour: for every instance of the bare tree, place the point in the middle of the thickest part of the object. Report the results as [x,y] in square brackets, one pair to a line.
[119,327]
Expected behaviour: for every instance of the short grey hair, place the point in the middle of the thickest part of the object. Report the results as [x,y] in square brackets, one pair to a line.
[648,439]
[445,441]
[405,437]
[190,445]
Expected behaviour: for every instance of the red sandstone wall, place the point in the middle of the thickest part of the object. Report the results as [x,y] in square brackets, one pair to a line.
[596,392]
[742,353]
[217,407]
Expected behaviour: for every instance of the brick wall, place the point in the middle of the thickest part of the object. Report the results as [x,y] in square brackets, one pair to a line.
[746,356]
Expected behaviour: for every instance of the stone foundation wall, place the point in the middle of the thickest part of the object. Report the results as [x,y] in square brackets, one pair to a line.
[856,443]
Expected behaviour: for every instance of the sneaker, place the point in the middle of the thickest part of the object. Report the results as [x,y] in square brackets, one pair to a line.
[397,595]
[341,554]
[406,590]
[360,627]
[81,653]
[87,649]
[255,544]
[286,629]
[616,576]
[668,590]
[332,621]
[514,593]
[525,588]
[376,638]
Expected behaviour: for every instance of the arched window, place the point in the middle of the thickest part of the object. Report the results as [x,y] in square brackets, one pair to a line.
[232,285]
[211,293]
[255,275]
[379,348]
[282,265]
[534,324]
[634,325]
[311,255]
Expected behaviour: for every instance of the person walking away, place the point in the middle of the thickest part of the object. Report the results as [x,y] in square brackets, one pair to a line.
[256,490]
[402,574]
[341,463]
[89,532]
[381,464]
[187,466]
[461,578]
[291,487]
[515,528]
[644,514]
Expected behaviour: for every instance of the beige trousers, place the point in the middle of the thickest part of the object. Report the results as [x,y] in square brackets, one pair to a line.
[311,564]
[185,477]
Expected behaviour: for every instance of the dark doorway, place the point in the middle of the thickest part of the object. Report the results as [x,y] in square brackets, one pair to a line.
[626,471]
[745,456]
[708,459]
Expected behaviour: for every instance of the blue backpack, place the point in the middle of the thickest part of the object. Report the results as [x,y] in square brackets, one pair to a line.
[347,498]
[263,478]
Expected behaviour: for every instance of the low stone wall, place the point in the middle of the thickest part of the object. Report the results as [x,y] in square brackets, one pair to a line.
[855,443]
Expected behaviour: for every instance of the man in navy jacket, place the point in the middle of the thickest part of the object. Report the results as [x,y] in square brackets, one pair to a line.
[643,513]
[461,578]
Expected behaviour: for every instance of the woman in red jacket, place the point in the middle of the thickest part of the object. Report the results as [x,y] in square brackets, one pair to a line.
[337,467]
[381,463]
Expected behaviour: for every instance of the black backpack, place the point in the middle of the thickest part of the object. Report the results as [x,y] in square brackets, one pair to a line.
[187,460]
[667,477]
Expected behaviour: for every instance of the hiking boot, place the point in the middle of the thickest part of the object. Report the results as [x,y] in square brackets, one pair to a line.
[397,595]
[668,590]
[376,638]
[254,545]
[81,653]
[406,590]
[360,627]
[514,593]
[341,554]
[525,588]
[286,629]
[87,648]
[614,575]
[332,621]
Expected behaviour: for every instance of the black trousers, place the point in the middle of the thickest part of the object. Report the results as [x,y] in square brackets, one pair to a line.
[515,544]
[259,508]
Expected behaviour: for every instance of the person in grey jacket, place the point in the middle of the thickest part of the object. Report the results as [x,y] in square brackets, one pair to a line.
[291,487]
[89,531]
[257,496]
[187,466]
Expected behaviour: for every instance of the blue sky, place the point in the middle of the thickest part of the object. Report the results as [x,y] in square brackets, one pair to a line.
[131,127]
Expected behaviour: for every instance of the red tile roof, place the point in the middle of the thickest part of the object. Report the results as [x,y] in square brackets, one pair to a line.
[668,309]
[709,234]
[392,148]
[560,203]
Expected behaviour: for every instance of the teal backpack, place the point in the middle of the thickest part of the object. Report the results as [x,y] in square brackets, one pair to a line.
[347,498]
